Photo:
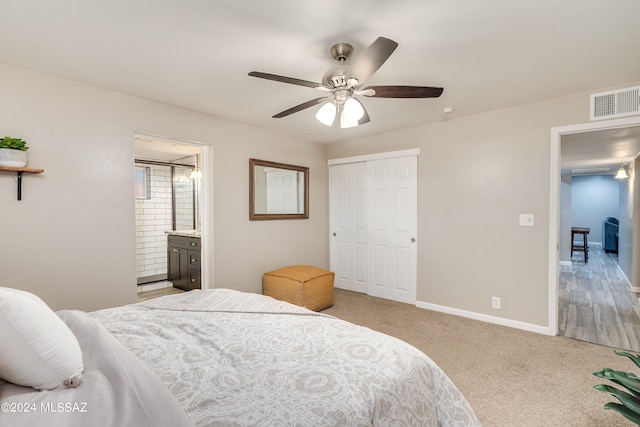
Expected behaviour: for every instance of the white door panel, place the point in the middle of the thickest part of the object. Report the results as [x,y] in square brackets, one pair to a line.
[348,224]
[393,185]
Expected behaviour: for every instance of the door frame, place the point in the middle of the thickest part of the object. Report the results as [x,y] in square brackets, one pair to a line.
[554,204]
[375,156]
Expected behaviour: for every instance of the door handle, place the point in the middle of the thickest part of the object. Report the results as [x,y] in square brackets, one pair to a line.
[413,240]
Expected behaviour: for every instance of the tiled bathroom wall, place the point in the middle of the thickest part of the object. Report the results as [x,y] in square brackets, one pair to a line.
[185,203]
[153,218]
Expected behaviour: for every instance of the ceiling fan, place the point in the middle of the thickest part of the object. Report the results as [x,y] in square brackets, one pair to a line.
[343,82]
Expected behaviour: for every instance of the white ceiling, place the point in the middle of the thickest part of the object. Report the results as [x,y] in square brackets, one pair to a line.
[608,149]
[197,53]
[160,150]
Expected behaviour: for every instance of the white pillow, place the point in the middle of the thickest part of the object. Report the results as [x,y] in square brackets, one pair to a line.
[37,349]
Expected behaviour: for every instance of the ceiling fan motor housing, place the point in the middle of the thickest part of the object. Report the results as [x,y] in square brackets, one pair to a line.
[335,77]
[341,51]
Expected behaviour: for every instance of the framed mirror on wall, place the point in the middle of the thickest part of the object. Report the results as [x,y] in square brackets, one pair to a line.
[278,191]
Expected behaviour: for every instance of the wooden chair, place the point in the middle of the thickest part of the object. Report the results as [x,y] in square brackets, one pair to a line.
[585,244]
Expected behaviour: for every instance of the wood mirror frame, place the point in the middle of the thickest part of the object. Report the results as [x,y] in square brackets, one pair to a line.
[258,194]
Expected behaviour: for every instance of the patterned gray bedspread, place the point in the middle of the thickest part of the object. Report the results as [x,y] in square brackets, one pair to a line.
[237,359]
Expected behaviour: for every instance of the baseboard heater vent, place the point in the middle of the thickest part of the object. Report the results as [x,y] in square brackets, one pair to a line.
[615,103]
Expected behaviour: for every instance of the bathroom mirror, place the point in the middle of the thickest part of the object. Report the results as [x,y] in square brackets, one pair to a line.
[278,191]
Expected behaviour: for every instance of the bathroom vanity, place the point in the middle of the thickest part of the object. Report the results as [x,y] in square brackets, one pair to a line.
[183,259]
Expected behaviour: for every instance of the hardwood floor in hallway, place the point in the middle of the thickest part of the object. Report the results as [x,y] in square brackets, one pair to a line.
[595,303]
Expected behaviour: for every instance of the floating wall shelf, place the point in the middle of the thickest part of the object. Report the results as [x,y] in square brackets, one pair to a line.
[20,171]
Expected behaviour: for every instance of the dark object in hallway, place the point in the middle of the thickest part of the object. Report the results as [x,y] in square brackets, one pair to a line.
[610,235]
[585,245]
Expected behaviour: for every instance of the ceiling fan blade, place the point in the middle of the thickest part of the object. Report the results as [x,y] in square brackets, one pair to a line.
[371,59]
[289,80]
[300,107]
[403,91]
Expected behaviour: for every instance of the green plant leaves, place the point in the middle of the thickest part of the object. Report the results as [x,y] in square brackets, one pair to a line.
[624,411]
[628,400]
[635,358]
[13,143]
[627,380]
[629,405]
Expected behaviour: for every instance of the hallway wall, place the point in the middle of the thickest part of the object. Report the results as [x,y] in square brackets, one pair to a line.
[564,242]
[594,198]
[629,236]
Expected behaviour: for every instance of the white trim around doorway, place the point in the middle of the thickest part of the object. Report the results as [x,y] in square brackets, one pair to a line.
[554,202]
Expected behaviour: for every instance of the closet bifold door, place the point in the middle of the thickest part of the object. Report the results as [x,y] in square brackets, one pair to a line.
[373,226]
[392,228]
[348,226]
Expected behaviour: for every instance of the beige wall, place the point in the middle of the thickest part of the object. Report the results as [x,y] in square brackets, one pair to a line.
[71,239]
[476,174]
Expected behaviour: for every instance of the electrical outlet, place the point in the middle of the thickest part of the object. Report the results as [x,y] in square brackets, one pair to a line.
[495,302]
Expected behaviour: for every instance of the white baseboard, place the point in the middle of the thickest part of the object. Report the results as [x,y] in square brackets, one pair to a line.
[634,289]
[154,286]
[544,330]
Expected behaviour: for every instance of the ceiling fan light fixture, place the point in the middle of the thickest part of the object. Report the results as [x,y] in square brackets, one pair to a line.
[346,123]
[326,114]
[353,110]
[622,173]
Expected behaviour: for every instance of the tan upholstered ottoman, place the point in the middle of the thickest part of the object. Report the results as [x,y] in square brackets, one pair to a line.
[303,285]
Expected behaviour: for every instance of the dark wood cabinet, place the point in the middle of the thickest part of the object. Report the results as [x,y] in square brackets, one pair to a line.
[183,257]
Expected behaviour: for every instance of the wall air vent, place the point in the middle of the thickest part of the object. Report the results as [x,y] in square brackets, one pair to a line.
[615,103]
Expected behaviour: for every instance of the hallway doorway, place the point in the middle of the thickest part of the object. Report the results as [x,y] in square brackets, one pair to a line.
[607,145]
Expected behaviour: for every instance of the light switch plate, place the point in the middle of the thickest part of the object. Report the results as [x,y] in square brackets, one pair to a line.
[526,220]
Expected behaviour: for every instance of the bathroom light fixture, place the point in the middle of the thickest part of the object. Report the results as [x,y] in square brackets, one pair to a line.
[622,173]
[196,173]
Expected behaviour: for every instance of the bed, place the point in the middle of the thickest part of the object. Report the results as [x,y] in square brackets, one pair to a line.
[226,358]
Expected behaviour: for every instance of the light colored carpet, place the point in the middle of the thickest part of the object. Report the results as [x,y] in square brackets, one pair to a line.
[512,378]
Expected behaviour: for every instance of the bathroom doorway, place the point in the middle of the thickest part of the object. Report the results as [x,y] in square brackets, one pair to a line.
[169,201]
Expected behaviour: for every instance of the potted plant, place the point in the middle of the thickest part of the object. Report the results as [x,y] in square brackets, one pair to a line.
[629,405]
[13,152]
